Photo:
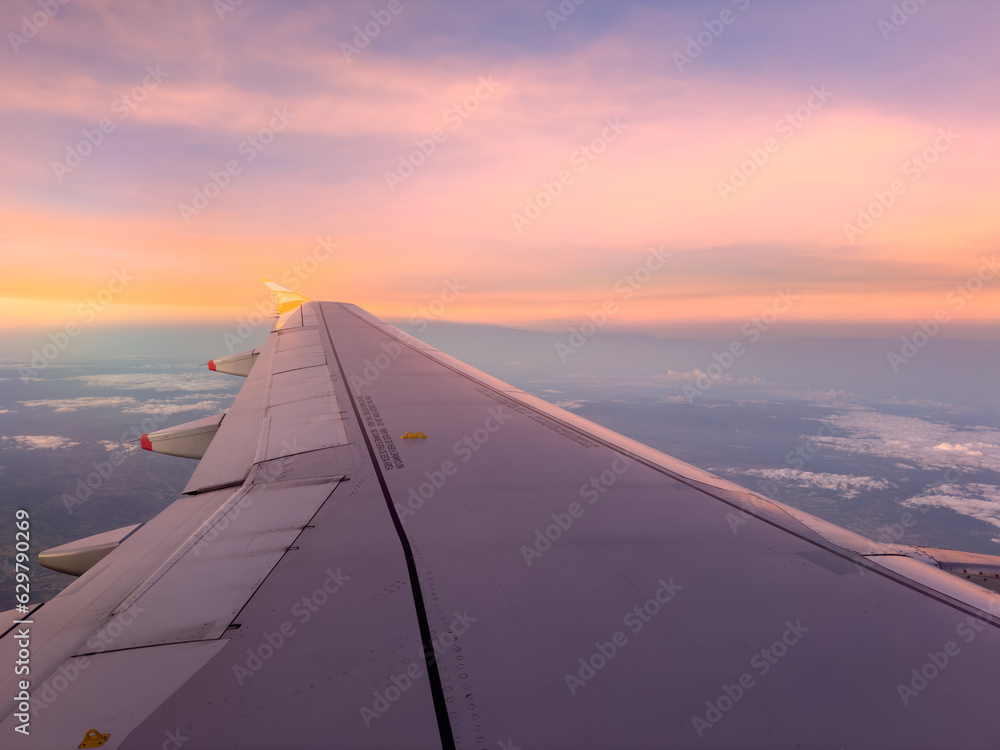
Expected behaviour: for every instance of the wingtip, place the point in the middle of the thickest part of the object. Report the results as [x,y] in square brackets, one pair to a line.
[287,299]
[211,364]
[145,442]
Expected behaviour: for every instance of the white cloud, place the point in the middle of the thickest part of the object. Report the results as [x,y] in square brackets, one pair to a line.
[6,411]
[575,403]
[72,404]
[131,405]
[18,366]
[186,381]
[930,445]
[847,485]
[37,442]
[166,407]
[170,366]
[966,449]
[111,445]
[980,501]
[675,400]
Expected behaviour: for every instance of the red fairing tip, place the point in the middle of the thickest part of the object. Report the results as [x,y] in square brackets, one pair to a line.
[144,442]
[211,364]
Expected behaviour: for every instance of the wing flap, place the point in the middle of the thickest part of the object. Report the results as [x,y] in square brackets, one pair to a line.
[62,625]
[111,694]
[197,592]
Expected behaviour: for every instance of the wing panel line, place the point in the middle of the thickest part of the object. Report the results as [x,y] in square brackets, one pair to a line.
[437,691]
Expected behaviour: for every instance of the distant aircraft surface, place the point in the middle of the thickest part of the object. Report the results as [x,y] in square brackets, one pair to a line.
[382,546]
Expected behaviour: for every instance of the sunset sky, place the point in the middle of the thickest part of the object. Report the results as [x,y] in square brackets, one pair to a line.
[530,155]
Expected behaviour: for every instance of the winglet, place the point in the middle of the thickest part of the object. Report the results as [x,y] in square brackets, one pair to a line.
[287,299]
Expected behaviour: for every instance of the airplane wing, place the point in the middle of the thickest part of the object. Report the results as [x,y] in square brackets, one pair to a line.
[382,547]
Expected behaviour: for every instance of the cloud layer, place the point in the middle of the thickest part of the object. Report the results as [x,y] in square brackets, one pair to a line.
[845,485]
[979,501]
[36,442]
[928,445]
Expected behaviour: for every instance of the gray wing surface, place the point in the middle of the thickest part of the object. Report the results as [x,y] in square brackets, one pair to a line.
[383,547]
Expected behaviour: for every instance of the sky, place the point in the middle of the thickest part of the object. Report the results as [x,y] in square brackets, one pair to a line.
[514,163]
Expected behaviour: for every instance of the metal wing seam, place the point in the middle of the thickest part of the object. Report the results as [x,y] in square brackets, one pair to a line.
[434,677]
